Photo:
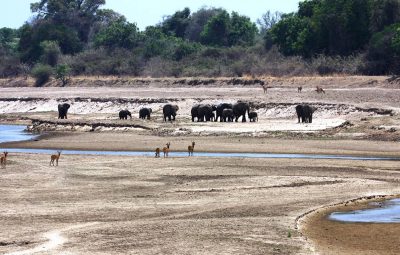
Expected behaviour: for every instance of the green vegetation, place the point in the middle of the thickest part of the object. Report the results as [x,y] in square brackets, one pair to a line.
[42,74]
[76,37]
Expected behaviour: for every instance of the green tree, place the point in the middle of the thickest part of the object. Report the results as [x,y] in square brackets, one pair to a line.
[383,52]
[118,34]
[242,30]
[79,15]
[334,27]
[217,30]
[176,24]
[62,73]
[198,21]
[42,74]
[9,39]
[51,52]
[384,13]
[293,35]
[33,35]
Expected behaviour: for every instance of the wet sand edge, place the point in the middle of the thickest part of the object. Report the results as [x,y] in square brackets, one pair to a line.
[332,237]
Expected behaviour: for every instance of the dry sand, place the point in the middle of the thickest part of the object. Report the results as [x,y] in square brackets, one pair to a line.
[140,205]
[137,205]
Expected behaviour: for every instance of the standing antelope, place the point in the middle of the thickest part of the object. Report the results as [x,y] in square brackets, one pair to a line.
[265,88]
[166,149]
[55,158]
[320,90]
[157,152]
[3,159]
[299,89]
[191,148]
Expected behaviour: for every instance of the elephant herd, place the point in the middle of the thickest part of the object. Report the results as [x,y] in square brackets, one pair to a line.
[224,112]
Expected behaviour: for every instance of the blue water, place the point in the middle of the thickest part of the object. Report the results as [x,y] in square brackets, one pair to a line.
[11,133]
[387,212]
[200,154]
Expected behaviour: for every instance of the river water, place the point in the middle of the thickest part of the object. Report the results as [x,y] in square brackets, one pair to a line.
[384,212]
[10,133]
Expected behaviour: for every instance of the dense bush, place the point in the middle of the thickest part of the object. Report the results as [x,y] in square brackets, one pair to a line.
[322,37]
[42,74]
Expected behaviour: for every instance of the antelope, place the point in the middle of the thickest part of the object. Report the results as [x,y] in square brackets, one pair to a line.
[166,149]
[191,148]
[157,152]
[55,158]
[3,159]
[299,89]
[265,88]
[320,90]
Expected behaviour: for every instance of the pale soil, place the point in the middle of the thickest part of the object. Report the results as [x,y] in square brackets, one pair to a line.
[138,205]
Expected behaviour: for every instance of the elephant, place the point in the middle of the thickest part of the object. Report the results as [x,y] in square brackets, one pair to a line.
[240,109]
[304,113]
[220,108]
[227,115]
[307,113]
[194,112]
[253,116]
[123,114]
[205,112]
[169,112]
[145,113]
[63,110]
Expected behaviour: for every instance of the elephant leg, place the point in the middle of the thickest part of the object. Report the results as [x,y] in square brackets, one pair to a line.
[244,118]
[310,118]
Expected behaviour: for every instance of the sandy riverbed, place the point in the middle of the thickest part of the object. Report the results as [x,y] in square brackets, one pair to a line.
[139,205]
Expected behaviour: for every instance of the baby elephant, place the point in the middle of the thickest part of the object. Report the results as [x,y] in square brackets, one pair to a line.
[145,113]
[253,116]
[63,110]
[123,115]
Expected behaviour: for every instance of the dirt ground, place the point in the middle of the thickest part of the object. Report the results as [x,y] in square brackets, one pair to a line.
[137,205]
[141,205]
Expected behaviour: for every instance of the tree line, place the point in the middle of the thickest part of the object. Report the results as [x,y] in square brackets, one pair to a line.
[78,37]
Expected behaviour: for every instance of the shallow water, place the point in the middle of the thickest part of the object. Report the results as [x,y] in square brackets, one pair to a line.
[386,212]
[16,133]
[11,133]
[199,154]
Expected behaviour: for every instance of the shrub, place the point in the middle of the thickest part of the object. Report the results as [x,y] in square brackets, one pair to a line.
[62,73]
[42,74]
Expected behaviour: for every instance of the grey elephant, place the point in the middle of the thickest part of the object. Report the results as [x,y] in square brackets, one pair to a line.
[253,116]
[145,113]
[304,113]
[240,109]
[220,108]
[169,112]
[227,115]
[205,112]
[123,114]
[63,110]
[195,112]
